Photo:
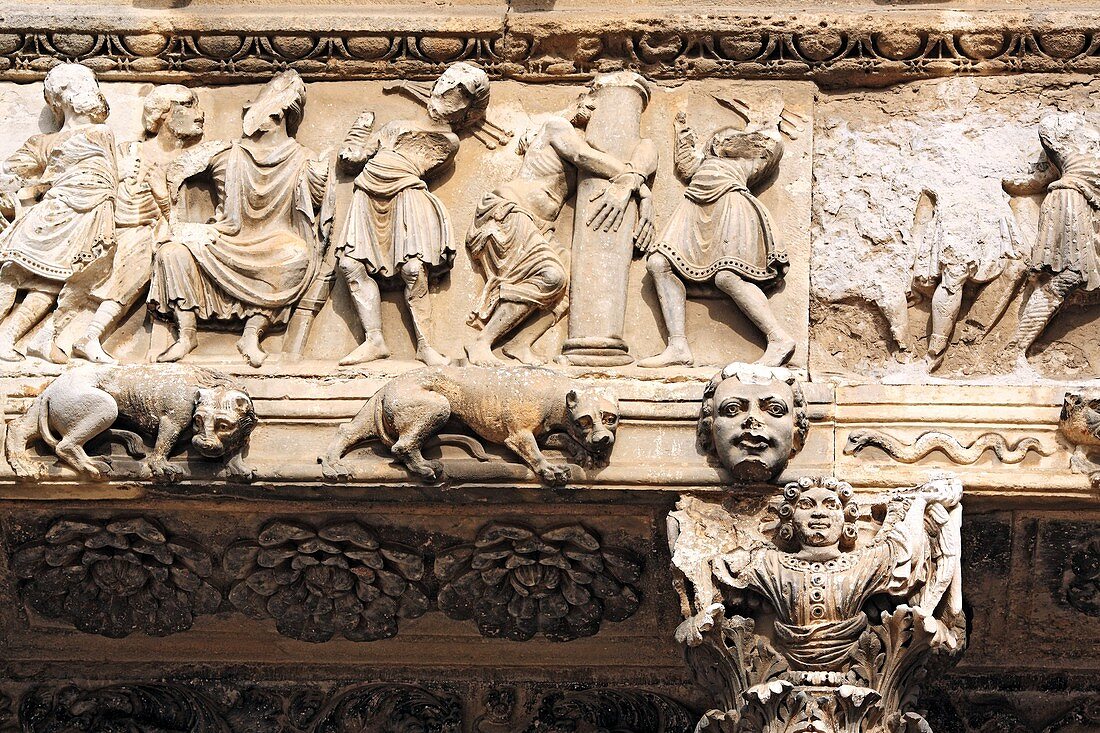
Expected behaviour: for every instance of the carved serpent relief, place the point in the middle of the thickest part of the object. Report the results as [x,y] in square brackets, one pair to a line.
[930,442]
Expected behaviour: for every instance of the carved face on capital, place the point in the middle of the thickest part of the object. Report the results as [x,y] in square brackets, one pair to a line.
[753,420]
[818,517]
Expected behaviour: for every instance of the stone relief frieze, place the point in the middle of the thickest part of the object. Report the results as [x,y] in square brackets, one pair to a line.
[339,579]
[117,577]
[167,403]
[831,622]
[1079,424]
[957,452]
[516,582]
[517,407]
[1081,578]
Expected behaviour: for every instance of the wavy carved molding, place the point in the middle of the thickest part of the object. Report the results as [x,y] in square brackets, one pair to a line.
[825,53]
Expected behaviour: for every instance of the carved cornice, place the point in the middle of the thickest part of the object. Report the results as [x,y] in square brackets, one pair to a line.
[833,49]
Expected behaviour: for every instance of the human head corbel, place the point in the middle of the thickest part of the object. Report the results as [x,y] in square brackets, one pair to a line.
[753,420]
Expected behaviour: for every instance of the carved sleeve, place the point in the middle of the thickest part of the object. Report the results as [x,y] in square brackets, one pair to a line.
[317,171]
[29,161]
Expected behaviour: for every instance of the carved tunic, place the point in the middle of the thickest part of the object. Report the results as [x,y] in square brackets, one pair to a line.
[520,264]
[393,217]
[720,225]
[262,250]
[1069,219]
[141,222]
[73,223]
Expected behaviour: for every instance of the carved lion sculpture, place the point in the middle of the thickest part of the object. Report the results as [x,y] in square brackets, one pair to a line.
[159,400]
[1079,423]
[512,406]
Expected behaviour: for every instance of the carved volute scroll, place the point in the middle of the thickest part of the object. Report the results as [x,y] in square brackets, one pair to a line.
[858,606]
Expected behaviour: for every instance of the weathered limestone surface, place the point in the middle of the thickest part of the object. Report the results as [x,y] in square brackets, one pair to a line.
[406,477]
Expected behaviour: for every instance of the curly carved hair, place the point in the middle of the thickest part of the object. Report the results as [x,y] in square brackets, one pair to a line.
[793,491]
[751,374]
[159,103]
[74,86]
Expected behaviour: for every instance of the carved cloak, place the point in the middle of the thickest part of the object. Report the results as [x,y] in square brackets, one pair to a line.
[73,222]
[262,250]
[1069,220]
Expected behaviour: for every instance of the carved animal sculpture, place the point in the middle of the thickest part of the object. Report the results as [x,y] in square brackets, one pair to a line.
[159,400]
[1079,423]
[513,406]
[955,451]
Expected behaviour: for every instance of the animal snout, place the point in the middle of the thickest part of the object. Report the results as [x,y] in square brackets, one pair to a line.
[603,440]
[209,447]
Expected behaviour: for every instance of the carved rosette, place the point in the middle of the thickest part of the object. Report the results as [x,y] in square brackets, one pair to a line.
[116,577]
[516,582]
[317,583]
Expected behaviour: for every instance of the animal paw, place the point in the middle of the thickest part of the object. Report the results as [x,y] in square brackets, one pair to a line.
[239,472]
[26,468]
[97,469]
[429,471]
[556,474]
[335,470]
[163,471]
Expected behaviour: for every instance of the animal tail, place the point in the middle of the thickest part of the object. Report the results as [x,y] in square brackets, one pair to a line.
[476,449]
[130,440]
[44,423]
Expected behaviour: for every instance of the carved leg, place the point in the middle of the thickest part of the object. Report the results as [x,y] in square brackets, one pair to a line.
[168,432]
[672,296]
[526,447]
[89,346]
[187,322]
[415,276]
[522,346]
[9,288]
[1041,306]
[416,417]
[506,316]
[249,342]
[754,304]
[361,428]
[368,305]
[79,420]
[35,305]
[946,304]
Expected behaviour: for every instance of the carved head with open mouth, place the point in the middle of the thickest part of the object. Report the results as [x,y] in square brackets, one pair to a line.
[753,420]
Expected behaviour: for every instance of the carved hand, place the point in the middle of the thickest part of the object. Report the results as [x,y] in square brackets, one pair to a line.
[610,210]
[644,232]
[691,630]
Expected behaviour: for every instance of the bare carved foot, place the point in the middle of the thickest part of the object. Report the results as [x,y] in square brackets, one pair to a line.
[90,349]
[372,349]
[186,343]
[676,353]
[249,346]
[51,353]
[8,352]
[430,356]
[779,352]
[523,352]
[481,354]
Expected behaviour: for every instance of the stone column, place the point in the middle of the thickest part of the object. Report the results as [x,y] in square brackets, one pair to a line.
[601,260]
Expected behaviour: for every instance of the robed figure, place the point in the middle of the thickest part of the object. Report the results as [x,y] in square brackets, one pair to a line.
[262,249]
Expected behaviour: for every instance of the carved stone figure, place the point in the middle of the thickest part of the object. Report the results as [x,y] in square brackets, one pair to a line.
[856,614]
[610,219]
[159,401]
[172,120]
[396,229]
[70,178]
[263,249]
[1066,252]
[511,406]
[721,233]
[509,242]
[944,266]
[753,420]
[1079,423]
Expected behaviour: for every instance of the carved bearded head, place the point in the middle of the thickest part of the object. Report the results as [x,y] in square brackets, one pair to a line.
[174,109]
[459,96]
[818,513]
[72,89]
[753,420]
